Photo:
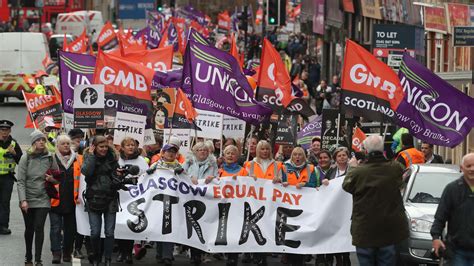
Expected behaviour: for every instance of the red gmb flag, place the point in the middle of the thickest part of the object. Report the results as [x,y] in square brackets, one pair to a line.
[106,35]
[273,73]
[159,59]
[357,138]
[124,77]
[369,78]
[185,105]
[79,45]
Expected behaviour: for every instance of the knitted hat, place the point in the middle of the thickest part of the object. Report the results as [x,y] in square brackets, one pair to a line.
[36,135]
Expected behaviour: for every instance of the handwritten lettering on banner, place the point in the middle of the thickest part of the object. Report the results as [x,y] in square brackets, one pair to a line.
[229,215]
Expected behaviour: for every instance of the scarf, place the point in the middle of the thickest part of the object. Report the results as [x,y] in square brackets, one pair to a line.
[292,168]
[231,168]
[66,160]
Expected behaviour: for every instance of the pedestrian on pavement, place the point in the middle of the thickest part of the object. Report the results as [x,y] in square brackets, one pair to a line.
[430,157]
[409,155]
[456,208]
[101,196]
[130,155]
[379,222]
[34,200]
[10,154]
[63,210]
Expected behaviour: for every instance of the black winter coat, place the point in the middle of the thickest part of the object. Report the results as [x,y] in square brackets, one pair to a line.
[98,176]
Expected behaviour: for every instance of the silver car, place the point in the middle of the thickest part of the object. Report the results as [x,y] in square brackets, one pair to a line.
[425,184]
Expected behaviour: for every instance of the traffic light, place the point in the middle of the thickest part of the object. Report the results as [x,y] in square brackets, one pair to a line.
[159,5]
[282,18]
[243,19]
[276,12]
[273,12]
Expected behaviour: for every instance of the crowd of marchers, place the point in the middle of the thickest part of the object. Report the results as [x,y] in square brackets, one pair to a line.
[48,177]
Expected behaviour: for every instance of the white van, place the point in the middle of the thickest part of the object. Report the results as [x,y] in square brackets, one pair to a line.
[21,54]
[73,23]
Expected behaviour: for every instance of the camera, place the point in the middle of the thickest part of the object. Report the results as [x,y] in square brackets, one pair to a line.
[125,175]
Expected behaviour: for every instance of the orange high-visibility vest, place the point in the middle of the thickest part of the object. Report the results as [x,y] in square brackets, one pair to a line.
[412,156]
[273,169]
[77,175]
[241,172]
[303,176]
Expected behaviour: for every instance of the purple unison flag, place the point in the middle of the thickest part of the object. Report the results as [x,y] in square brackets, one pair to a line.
[215,82]
[309,131]
[168,79]
[75,69]
[173,36]
[155,20]
[194,35]
[433,110]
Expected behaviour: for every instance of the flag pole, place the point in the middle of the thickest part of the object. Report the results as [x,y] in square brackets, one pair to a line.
[338,128]
[252,127]
[222,135]
[29,113]
[174,110]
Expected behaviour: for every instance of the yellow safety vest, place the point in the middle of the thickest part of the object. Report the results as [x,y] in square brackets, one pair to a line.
[39,89]
[7,165]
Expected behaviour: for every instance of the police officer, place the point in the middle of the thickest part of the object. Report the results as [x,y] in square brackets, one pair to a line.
[10,154]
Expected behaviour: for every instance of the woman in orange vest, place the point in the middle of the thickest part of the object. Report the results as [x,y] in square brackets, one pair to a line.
[62,214]
[231,168]
[300,173]
[263,165]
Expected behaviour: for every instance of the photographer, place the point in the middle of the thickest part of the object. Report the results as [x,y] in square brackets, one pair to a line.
[101,196]
[130,155]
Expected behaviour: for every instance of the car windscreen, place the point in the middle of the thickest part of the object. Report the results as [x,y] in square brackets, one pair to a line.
[428,186]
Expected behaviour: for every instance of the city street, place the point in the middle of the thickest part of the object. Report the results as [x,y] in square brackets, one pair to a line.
[268,127]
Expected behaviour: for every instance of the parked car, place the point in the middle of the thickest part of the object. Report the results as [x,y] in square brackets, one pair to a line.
[21,56]
[425,184]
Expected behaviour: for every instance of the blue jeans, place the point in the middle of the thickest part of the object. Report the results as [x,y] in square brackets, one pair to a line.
[63,229]
[95,222]
[462,258]
[386,256]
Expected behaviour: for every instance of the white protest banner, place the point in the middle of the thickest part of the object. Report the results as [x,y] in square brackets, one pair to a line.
[89,106]
[183,134]
[50,81]
[210,124]
[68,121]
[229,215]
[234,128]
[130,121]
